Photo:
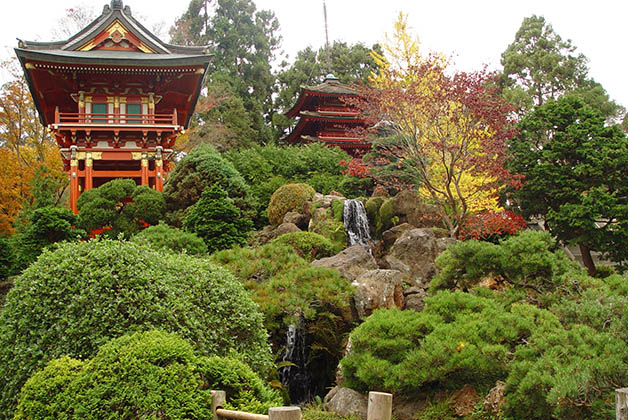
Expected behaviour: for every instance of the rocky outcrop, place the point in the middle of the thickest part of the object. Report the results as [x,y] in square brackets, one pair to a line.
[413,254]
[414,298]
[346,402]
[271,232]
[352,262]
[391,235]
[378,289]
[298,219]
[410,208]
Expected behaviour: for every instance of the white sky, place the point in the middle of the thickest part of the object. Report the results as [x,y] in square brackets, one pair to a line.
[475,32]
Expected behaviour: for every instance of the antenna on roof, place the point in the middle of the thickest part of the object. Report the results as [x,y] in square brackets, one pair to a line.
[326,38]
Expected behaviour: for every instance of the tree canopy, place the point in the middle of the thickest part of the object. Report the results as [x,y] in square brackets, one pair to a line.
[574,167]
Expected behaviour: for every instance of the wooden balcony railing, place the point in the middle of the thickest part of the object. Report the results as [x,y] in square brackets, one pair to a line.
[83,118]
[336,110]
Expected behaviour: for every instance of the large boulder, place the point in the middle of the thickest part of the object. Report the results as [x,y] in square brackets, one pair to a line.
[352,262]
[414,298]
[410,208]
[378,289]
[391,235]
[414,254]
[299,219]
[346,402]
[271,232]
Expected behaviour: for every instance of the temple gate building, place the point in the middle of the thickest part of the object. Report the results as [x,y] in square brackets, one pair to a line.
[325,117]
[115,97]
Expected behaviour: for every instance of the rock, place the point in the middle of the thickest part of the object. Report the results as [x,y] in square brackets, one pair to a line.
[414,298]
[414,253]
[443,243]
[351,262]
[392,234]
[464,399]
[426,215]
[268,233]
[406,202]
[494,400]
[346,402]
[285,228]
[298,219]
[410,208]
[378,289]
[324,201]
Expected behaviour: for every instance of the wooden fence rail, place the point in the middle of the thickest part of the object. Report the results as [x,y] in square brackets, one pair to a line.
[379,408]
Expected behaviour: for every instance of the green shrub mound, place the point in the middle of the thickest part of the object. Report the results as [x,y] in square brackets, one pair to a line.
[72,300]
[144,375]
[165,238]
[308,245]
[290,291]
[457,339]
[120,205]
[217,220]
[530,260]
[198,170]
[289,197]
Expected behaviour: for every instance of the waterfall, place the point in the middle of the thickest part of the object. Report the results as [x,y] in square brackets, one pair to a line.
[356,223]
[295,376]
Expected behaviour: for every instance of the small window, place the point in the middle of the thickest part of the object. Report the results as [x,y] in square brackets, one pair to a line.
[134,112]
[99,111]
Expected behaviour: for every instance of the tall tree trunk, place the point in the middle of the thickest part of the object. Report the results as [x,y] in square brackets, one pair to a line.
[587,260]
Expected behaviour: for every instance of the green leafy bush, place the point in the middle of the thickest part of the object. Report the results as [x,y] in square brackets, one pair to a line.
[120,205]
[566,373]
[204,167]
[165,238]
[457,339]
[6,258]
[145,375]
[74,299]
[47,225]
[290,291]
[529,260]
[289,197]
[217,221]
[308,245]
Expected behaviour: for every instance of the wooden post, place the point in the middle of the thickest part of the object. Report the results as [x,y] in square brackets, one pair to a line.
[144,169]
[284,413]
[380,406]
[74,185]
[621,401]
[89,172]
[218,401]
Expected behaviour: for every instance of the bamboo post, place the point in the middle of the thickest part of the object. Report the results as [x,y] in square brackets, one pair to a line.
[380,406]
[218,401]
[284,413]
[621,401]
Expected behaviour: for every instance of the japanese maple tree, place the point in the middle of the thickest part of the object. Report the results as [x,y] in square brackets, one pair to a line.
[448,127]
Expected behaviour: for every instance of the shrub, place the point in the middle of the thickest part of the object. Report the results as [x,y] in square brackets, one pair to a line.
[145,375]
[6,258]
[204,167]
[120,205]
[72,300]
[165,238]
[457,339]
[289,197]
[566,374]
[332,229]
[386,214]
[308,245]
[217,221]
[47,225]
[372,206]
[290,291]
[529,260]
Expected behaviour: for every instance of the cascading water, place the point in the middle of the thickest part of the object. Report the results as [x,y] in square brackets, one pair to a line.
[356,223]
[295,376]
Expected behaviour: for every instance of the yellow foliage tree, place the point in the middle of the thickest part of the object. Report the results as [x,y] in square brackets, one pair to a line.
[448,127]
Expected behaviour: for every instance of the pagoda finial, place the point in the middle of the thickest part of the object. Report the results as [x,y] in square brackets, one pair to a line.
[330,78]
[116,4]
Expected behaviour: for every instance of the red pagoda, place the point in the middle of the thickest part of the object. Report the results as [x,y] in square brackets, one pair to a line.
[324,116]
[115,97]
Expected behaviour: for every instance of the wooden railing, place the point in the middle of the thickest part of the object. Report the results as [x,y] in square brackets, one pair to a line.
[379,408]
[336,110]
[80,118]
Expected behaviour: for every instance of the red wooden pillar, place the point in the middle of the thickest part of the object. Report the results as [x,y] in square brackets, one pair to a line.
[89,172]
[74,184]
[159,175]
[144,169]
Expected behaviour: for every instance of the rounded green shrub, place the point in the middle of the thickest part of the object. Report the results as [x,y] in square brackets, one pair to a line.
[457,339]
[289,197]
[217,220]
[308,245]
[386,215]
[332,229]
[203,167]
[165,238]
[144,375]
[76,298]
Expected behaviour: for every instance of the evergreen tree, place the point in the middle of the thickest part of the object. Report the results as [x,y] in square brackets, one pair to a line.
[217,221]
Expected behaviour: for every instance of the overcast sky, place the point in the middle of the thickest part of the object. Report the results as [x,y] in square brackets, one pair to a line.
[473,32]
